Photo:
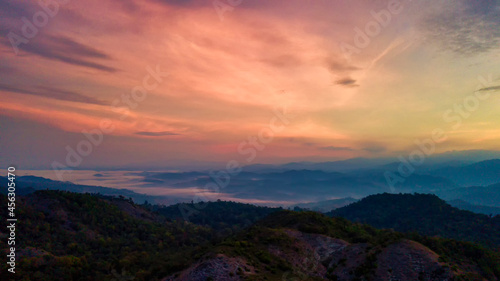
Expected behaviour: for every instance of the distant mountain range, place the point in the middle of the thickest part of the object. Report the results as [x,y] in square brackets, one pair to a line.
[325,206]
[481,173]
[29,184]
[432,162]
[479,209]
[478,195]
[305,185]
[330,166]
[282,183]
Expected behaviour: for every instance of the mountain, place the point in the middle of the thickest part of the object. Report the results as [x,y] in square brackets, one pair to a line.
[71,236]
[222,216]
[327,205]
[330,166]
[415,182]
[300,185]
[479,209]
[478,195]
[465,156]
[309,246]
[289,185]
[293,185]
[433,162]
[29,184]
[423,213]
[481,173]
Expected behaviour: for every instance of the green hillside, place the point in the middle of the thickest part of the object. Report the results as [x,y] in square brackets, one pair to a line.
[425,214]
[69,236]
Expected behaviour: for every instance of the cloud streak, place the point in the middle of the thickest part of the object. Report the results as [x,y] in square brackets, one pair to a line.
[65,49]
[465,27]
[336,148]
[492,88]
[68,51]
[347,82]
[53,93]
[156,134]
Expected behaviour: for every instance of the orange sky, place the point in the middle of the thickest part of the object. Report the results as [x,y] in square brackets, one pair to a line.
[224,75]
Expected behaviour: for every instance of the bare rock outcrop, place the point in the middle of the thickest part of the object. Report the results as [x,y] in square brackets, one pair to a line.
[220,268]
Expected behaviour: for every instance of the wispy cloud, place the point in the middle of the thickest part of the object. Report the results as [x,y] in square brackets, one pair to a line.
[465,27]
[347,82]
[336,148]
[156,134]
[45,44]
[52,93]
[65,49]
[492,88]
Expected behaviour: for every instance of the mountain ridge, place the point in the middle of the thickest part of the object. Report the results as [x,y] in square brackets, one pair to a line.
[426,214]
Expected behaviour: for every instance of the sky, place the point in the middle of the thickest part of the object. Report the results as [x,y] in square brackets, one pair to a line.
[166,83]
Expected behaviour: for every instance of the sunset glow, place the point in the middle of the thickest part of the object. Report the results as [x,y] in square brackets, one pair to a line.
[352,79]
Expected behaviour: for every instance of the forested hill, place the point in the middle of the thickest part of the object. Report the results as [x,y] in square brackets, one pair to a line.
[423,213]
[223,216]
[290,245]
[70,236]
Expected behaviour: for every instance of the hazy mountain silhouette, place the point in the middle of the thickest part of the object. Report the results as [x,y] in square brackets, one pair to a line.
[30,184]
[479,209]
[481,173]
[479,195]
